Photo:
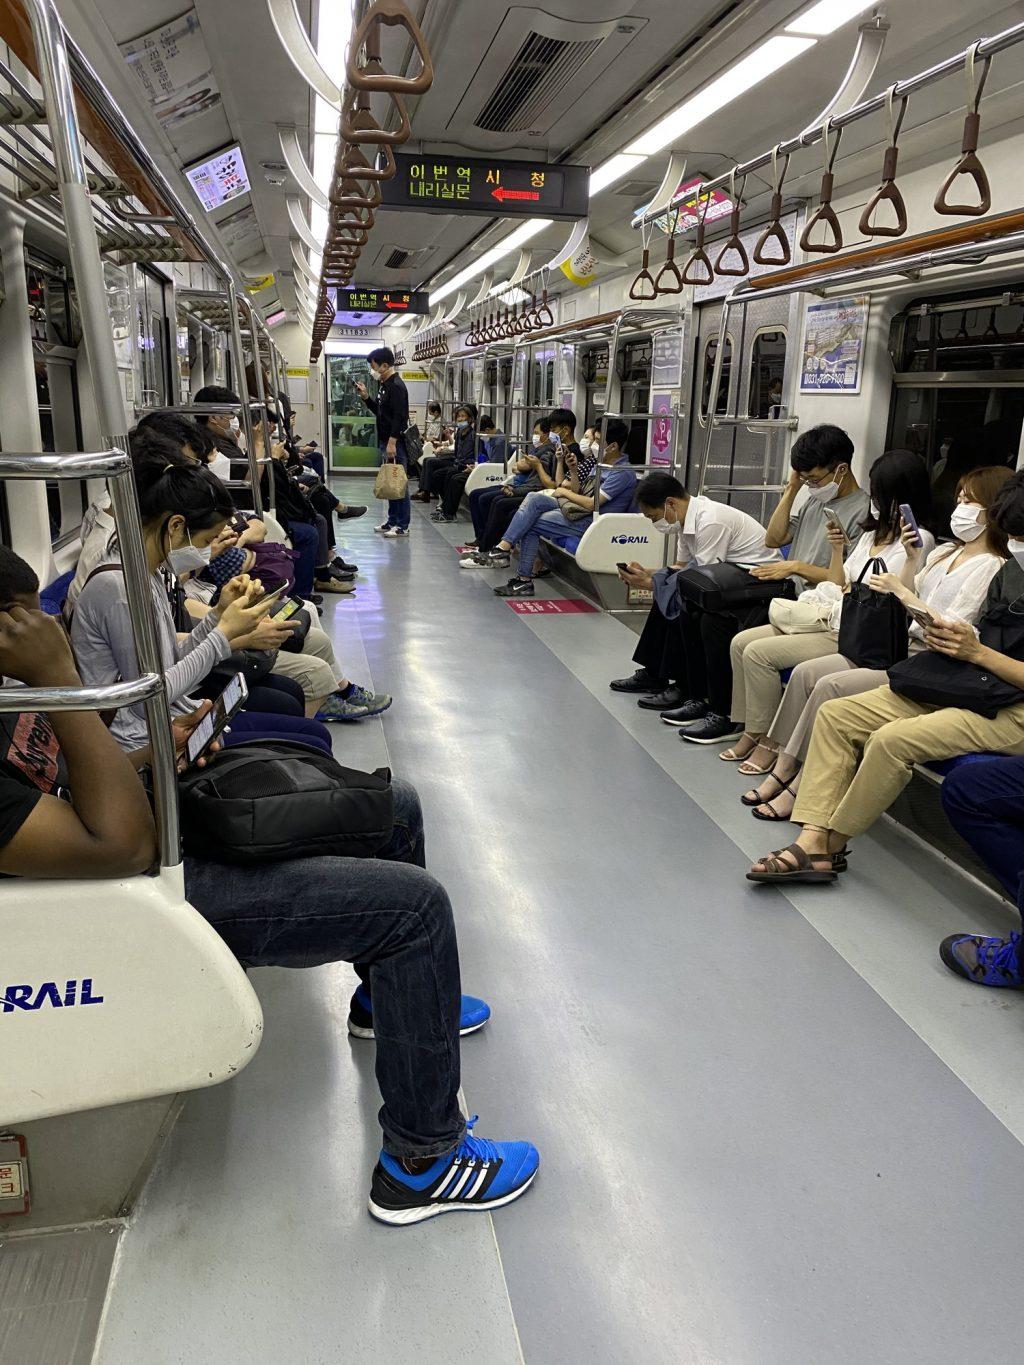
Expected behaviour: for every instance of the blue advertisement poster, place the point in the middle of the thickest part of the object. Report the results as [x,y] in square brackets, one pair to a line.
[834,335]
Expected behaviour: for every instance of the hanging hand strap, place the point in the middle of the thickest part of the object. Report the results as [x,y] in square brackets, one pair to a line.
[734,244]
[643,288]
[372,76]
[969,164]
[888,191]
[698,256]
[775,232]
[669,279]
[825,213]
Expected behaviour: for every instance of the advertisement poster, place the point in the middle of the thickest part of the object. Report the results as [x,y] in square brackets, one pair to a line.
[175,70]
[834,335]
[661,430]
[220,180]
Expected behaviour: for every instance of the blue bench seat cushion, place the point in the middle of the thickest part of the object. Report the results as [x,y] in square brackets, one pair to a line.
[945,766]
[565,540]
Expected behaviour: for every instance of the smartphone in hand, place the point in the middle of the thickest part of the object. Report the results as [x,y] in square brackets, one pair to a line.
[832,520]
[212,725]
[908,516]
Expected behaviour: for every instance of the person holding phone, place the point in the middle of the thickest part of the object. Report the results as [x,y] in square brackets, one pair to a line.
[759,656]
[391,409]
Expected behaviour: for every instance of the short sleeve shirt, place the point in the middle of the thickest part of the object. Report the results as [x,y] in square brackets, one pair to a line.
[30,767]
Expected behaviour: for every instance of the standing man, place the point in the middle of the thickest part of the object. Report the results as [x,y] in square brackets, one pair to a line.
[391,409]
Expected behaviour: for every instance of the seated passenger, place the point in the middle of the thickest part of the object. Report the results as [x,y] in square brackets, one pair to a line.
[450,480]
[569,509]
[899,477]
[821,461]
[183,510]
[952,580]
[691,645]
[433,427]
[461,455]
[493,508]
[863,749]
[386,914]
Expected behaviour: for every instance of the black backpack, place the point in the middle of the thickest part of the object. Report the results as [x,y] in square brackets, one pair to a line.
[269,801]
[413,444]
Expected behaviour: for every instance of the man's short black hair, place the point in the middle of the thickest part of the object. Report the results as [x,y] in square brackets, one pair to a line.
[486,423]
[17,579]
[433,407]
[652,491]
[383,355]
[617,431]
[213,393]
[822,447]
[544,425]
[181,429]
[1007,509]
[562,417]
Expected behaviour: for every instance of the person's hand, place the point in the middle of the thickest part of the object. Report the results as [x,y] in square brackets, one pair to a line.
[245,614]
[506,489]
[533,461]
[391,449]
[269,634]
[360,388]
[35,650]
[835,535]
[636,576]
[796,481]
[910,541]
[773,573]
[278,451]
[225,541]
[233,590]
[181,729]
[886,582]
[956,639]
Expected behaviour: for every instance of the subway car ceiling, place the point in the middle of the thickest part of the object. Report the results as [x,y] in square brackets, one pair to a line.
[563,82]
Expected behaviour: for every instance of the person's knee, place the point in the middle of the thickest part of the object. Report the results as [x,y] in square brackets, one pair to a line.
[890,740]
[958,793]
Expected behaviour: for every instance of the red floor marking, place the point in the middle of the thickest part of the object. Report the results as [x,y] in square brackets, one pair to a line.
[549,606]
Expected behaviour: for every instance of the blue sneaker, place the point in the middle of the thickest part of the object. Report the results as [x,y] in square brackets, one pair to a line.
[477,1175]
[374,702]
[475,1013]
[985,961]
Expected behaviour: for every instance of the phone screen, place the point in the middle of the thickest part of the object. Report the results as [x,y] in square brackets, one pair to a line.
[286,609]
[908,516]
[923,618]
[214,722]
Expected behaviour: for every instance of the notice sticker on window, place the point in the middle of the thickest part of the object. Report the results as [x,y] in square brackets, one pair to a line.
[14,1187]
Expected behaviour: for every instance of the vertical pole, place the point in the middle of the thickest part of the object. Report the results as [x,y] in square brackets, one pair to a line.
[716,380]
[87,268]
[242,387]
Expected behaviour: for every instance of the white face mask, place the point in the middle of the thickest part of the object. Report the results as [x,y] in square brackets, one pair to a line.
[827,491]
[586,447]
[665,526]
[536,441]
[968,521]
[1016,548]
[875,510]
[188,558]
[234,426]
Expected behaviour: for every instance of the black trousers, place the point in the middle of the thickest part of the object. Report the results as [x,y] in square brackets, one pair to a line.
[693,650]
[499,517]
[454,486]
[433,473]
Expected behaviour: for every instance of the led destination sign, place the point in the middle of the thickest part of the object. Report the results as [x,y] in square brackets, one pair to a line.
[506,189]
[382,301]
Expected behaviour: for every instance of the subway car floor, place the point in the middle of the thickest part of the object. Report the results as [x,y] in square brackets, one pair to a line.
[772,1127]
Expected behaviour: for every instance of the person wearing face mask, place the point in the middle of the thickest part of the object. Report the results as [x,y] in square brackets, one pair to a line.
[491,445]
[776,729]
[492,509]
[863,749]
[183,510]
[684,653]
[391,409]
[461,456]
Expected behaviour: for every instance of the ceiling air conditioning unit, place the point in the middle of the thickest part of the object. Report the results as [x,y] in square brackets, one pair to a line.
[537,67]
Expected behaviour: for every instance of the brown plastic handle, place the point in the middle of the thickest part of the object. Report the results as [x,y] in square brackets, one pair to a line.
[643,287]
[970,166]
[545,317]
[359,125]
[669,271]
[698,257]
[825,214]
[734,245]
[887,192]
[356,165]
[347,194]
[395,15]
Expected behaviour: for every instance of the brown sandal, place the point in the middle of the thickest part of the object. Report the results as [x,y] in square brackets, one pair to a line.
[800,870]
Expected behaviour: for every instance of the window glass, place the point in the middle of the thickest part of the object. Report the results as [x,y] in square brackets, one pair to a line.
[767,364]
[707,374]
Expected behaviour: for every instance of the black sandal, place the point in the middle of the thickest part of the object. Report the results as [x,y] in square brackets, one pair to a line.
[759,800]
[802,868]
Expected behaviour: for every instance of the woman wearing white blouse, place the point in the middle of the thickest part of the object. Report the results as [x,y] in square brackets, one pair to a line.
[759,655]
[952,584]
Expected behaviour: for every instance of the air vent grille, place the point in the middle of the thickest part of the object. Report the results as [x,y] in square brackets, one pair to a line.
[397,259]
[539,69]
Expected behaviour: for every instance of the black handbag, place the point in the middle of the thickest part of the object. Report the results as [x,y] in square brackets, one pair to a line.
[253,664]
[937,680]
[873,629]
[724,587]
[299,624]
[270,801]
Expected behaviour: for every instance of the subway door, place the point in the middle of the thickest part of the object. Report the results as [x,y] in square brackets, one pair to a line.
[759,456]
[634,362]
[718,474]
[154,339]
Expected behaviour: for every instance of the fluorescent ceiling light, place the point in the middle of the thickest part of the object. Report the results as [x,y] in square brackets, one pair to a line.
[828,15]
[497,253]
[763,62]
[613,169]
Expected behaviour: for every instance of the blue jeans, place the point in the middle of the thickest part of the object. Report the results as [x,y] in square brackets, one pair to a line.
[306,544]
[538,515]
[314,460]
[399,509]
[393,918]
[984,801]
[260,725]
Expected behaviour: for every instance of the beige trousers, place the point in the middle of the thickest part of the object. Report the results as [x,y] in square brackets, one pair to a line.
[813,683]
[863,752]
[758,656]
[315,669]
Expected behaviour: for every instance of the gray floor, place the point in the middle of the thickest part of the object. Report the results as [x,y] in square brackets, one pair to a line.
[772,1129]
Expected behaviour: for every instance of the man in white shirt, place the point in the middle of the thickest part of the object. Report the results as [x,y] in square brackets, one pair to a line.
[685,671]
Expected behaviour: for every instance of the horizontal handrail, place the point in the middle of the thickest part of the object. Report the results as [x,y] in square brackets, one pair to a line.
[102,464]
[757,423]
[109,698]
[743,487]
[641,416]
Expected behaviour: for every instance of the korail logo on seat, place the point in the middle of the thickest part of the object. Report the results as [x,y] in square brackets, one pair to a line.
[631,540]
[58,995]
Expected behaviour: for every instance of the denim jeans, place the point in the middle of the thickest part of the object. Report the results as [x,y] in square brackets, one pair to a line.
[984,800]
[537,515]
[393,918]
[306,544]
[399,509]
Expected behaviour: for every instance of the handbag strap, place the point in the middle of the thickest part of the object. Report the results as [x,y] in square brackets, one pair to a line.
[875,565]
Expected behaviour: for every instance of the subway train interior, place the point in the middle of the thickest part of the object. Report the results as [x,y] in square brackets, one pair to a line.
[591,434]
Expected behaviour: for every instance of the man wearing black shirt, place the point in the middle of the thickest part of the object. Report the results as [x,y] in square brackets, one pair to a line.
[391,408]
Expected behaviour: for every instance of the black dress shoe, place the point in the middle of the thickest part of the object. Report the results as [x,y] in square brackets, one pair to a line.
[344,513]
[640,681]
[686,714]
[339,563]
[342,575]
[316,598]
[713,729]
[662,701]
